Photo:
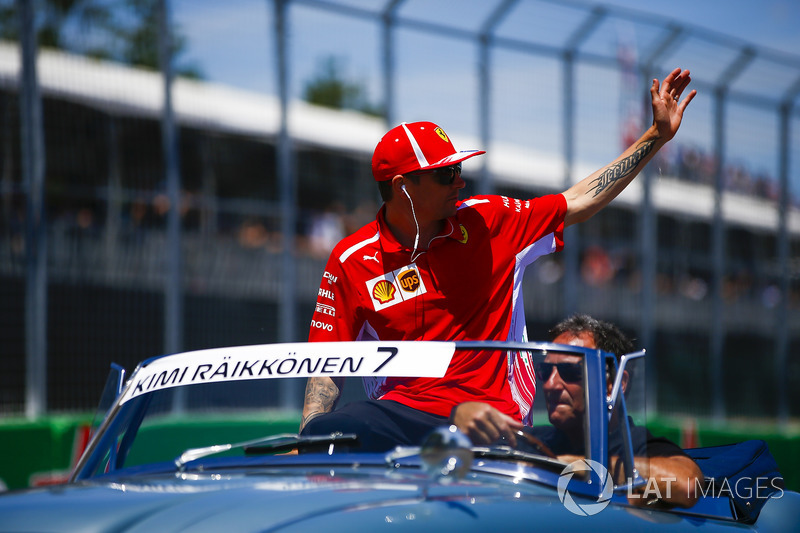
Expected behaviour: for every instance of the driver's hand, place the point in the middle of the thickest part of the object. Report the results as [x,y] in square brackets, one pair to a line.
[484,424]
[293,451]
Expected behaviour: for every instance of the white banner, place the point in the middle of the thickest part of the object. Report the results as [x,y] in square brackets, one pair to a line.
[266,361]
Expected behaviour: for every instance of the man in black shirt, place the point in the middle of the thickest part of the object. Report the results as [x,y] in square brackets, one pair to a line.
[671,474]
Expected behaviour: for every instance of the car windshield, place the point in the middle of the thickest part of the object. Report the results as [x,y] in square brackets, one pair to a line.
[160,425]
[160,416]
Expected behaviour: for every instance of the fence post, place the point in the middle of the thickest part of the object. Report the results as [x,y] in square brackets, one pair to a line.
[173,289]
[782,309]
[571,277]
[288,199]
[387,19]
[33,165]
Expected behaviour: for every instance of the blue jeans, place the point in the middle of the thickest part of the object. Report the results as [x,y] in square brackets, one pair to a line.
[380,425]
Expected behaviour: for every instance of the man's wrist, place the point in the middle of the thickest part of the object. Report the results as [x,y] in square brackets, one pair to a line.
[452,418]
[308,418]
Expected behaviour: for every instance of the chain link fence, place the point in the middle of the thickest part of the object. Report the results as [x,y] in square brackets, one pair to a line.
[180,212]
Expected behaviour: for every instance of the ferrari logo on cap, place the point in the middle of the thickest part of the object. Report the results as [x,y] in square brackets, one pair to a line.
[440,132]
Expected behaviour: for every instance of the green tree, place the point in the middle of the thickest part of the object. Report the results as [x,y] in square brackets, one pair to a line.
[329,88]
[140,44]
[125,30]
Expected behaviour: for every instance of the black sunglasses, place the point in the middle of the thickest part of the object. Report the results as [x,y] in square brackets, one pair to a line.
[443,175]
[569,372]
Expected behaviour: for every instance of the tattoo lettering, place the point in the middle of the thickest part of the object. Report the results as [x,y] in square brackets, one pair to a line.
[622,168]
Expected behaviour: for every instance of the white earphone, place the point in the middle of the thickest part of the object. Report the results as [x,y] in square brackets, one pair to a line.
[414,214]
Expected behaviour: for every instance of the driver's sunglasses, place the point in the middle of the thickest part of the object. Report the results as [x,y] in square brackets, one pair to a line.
[569,372]
[443,175]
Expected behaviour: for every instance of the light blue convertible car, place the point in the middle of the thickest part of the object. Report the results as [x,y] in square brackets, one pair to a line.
[165,458]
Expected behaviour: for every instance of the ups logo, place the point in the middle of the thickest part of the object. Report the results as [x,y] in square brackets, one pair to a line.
[409,280]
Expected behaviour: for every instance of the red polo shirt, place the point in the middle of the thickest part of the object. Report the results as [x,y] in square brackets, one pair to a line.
[466,286]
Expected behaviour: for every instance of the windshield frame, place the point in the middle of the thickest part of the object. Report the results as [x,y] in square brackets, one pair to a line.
[109,446]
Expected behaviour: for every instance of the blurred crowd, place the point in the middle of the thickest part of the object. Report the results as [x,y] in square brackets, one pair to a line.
[319,230]
[76,222]
[690,163]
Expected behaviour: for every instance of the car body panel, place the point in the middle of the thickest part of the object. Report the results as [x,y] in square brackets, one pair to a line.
[303,497]
[252,486]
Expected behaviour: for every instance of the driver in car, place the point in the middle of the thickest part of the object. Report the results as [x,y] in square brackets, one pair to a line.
[672,476]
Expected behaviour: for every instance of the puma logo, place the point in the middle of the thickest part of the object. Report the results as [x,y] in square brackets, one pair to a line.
[371,257]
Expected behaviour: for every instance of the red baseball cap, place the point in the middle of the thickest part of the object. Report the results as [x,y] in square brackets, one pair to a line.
[415,146]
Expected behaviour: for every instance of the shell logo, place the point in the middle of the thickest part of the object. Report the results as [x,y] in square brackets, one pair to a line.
[383,291]
[440,132]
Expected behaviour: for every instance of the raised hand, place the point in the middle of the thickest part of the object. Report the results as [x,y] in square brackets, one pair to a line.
[668,107]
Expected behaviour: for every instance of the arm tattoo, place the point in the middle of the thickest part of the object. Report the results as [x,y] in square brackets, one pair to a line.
[622,168]
[321,397]
[307,418]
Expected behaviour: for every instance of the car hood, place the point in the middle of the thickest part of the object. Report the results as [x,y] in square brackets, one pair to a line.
[339,499]
[260,501]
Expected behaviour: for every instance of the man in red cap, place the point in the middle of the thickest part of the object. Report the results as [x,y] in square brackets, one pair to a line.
[431,267]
